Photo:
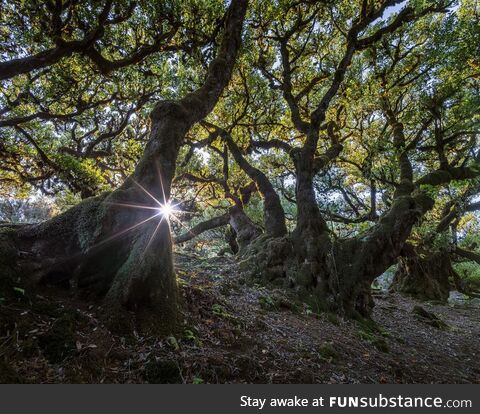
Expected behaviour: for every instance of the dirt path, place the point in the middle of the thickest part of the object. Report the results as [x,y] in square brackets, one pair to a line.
[235,332]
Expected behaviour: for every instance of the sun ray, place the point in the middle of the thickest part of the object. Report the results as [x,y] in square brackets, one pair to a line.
[167,211]
[153,234]
[148,193]
[157,165]
[126,230]
[133,206]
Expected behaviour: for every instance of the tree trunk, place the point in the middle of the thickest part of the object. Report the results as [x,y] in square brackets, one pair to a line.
[336,275]
[206,225]
[428,277]
[274,216]
[245,229]
[118,245]
[431,276]
[311,241]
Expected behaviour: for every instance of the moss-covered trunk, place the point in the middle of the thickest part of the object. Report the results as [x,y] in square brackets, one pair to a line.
[245,229]
[335,274]
[425,277]
[273,214]
[116,246]
[314,276]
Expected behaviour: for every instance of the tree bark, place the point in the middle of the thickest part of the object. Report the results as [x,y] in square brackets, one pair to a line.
[242,233]
[337,274]
[274,216]
[426,278]
[311,240]
[245,229]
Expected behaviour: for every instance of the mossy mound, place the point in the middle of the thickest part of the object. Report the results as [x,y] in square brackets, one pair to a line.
[327,351]
[374,334]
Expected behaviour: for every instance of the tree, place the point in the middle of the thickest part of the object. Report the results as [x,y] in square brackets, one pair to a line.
[426,269]
[330,272]
[84,244]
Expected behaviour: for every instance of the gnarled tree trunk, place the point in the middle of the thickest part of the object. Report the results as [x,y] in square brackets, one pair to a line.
[245,229]
[274,216]
[241,233]
[427,277]
[430,276]
[337,274]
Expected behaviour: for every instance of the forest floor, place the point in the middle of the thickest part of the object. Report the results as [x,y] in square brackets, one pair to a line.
[235,332]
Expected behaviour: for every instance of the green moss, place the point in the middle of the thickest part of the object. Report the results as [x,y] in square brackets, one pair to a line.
[88,219]
[368,325]
[313,301]
[381,344]
[221,312]
[367,336]
[377,341]
[267,303]
[374,334]
[332,318]
[191,335]
[429,318]
[79,224]
[327,351]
